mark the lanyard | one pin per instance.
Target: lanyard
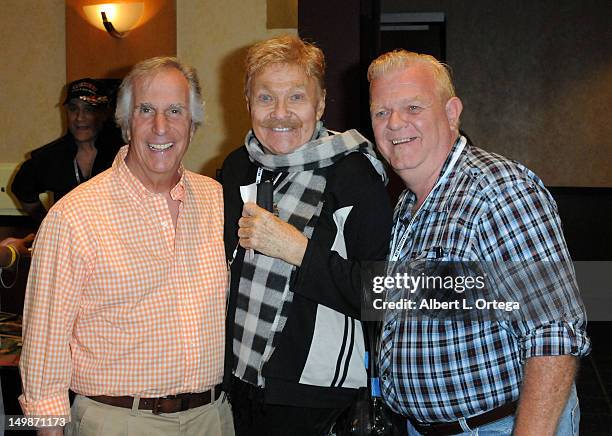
(260, 173)
(76, 171)
(257, 181)
(397, 247)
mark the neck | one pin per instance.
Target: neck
(86, 145)
(421, 186)
(422, 180)
(162, 185)
(157, 183)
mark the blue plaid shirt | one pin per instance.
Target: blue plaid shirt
(487, 208)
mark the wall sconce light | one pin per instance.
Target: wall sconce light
(116, 18)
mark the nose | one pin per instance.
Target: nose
(160, 123)
(81, 114)
(396, 121)
(280, 109)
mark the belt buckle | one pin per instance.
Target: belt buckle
(156, 409)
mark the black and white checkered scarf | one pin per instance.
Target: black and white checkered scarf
(264, 296)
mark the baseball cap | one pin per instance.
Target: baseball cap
(91, 91)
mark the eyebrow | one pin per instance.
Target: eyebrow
(146, 105)
(264, 88)
(405, 101)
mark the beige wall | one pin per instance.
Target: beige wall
(213, 37)
(33, 55)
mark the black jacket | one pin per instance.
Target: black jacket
(51, 167)
(318, 361)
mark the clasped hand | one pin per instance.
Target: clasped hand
(260, 230)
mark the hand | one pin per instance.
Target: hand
(266, 233)
(21, 245)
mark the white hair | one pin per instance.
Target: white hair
(123, 113)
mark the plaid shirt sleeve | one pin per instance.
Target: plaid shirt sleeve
(523, 227)
(56, 280)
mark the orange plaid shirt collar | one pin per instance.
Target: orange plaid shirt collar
(135, 186)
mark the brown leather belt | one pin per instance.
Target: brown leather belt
(451, 428)
(168, 404)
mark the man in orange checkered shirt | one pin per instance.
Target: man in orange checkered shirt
(125, 302)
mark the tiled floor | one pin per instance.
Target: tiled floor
(594, 383)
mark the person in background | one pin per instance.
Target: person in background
(88, 148)
(464, 204)
(295, 347)
(125, 302)
(12, 248)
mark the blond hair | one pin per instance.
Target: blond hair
(400, 58)
(285, 49)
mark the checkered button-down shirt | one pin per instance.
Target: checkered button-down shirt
(486, 209)
(119, 302)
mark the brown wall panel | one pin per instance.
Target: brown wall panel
(535, 78)
(340, 41)
(91, 52)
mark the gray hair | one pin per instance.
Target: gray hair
(400, 58)
(125, 98)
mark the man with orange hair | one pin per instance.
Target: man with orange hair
(295, 348)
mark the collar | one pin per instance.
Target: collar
(459, 148)
(436, 199)
(136, 187)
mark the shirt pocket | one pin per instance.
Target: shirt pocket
(442, 251)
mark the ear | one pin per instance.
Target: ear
(321, 105)
(248, 105)
(453, 112)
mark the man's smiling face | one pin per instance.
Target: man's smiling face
(285, 105)
(411, 119)
(160, 127)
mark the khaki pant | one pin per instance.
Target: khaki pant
(90, 418)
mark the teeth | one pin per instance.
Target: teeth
(160, 147)
(281, 129)
(403, 140)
